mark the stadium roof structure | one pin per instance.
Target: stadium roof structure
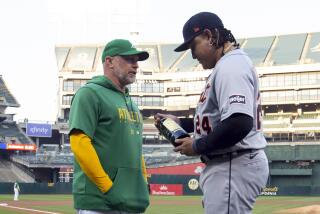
(14, 133)
(6, 97)
(277, 50)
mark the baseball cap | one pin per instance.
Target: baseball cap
(195, 26)
(122, 47)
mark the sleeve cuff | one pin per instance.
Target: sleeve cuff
(194, 147)
(200, 145)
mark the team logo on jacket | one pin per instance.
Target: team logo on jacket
(237, 99)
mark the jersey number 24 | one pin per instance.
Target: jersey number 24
(202, 123)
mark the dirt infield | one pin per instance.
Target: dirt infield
(289, 202)
(314, 209)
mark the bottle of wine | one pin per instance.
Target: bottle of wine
(171, 130)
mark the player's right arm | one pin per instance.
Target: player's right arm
(88, 160)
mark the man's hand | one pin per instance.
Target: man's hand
(186, 146)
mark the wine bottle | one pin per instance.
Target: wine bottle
(171, 130)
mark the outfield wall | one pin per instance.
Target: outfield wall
(190, 186)
(37, 188)
(168, 185)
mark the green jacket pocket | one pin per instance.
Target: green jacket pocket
(129, 191)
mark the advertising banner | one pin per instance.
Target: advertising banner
(166, 189)
(39, 130)
(25, 147)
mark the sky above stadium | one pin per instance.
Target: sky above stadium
(31, 29)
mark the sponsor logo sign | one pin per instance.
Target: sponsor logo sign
(25, 147)
(39, 130)
(166, 189)
(193, 184)
(269, 191)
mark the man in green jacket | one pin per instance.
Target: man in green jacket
(106, 138)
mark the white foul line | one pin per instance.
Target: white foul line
(20, 208)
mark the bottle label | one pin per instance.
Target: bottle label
(171, 125)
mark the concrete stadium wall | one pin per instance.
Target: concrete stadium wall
(293, 152)
(294, 169)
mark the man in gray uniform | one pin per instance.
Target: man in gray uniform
(227, 121)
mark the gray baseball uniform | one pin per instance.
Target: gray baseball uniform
(234, 176)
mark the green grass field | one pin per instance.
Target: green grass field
(159, 204)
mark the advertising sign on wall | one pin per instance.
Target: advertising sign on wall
(39, 130)
(25, 147)
(269, 191)
(166, 189)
